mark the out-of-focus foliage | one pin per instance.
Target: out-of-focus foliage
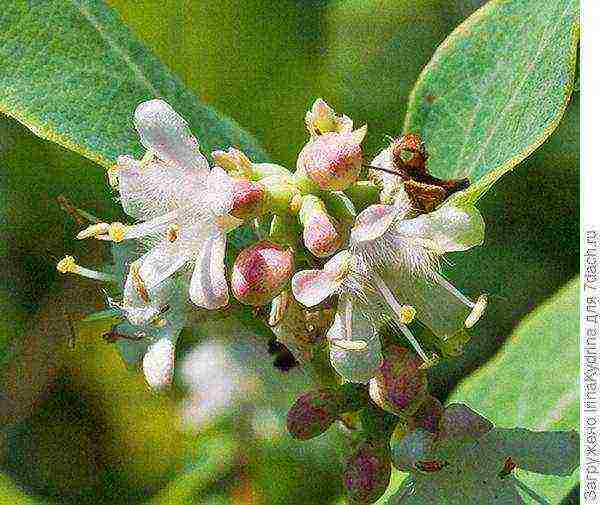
(79, 427)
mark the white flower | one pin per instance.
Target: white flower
(183, 208)
(391, 272)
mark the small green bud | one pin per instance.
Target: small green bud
(407, 447)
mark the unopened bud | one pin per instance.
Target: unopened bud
(248, 198)
(159, 362)
(260, 273)
(367, 474)
(321, 235)
(408, 447)
(400, 384)
(428, 416)
(333, 161)
(321, 118)
(313, 413)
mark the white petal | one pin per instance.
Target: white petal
(219, 187)
(354, 365)
(311, 287)
(165, 132)
(208, 287)
(162, 261)
(450, 228)
(159, 362)
(373, 222)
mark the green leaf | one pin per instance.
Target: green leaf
(496, 89)
(73, 74)
(533, 382)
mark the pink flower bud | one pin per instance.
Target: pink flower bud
(428, 416)
(260, 273)
(321, 237)
(313, 413)
(333, 160)
(248, 198)
(400, 384)
(367, 474)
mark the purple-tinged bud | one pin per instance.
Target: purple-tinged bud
(260, 272)
(313, 413)
(458, 421)
(248, 199)
(400, 384)
(321, 236)
(333, 160)
(428, 416)
(407, 447)
(367, 474)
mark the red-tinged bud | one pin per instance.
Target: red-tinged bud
(367, 474)
(458, 421)
(313, 413)
(248, 199)
(333, 160)
(428, 416)
(400, 384)
(260, 272)
(321, 237)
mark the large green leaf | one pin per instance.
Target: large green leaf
(73, 74)
(533, 382)
(496, 89)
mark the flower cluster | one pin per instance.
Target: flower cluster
(351, 263)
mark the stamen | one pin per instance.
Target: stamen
(95, 230)
(350, 345)
(138, 283)
(116, 232)
(160, 322)
(68, 265)
(441, 280)
(477, 311)
(407, 314)
(401, 312)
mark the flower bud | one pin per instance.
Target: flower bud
(260, 272)
(159, 362)
(408, 447)
(321, 118)
(367, 474)
(234, 161)
(428, 416)
(333, 160)
(313, 413)
(400, 384)
(248, 198)
(321, 235)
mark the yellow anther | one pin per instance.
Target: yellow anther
(116, 232)
(67, 265)
(94, 230)
(113, 176)
(407, 314)
(173, 233)
(477, 312)
(434, 360)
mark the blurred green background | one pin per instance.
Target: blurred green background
(77, 427)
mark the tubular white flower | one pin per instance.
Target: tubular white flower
(402, 255)
(183, 208)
